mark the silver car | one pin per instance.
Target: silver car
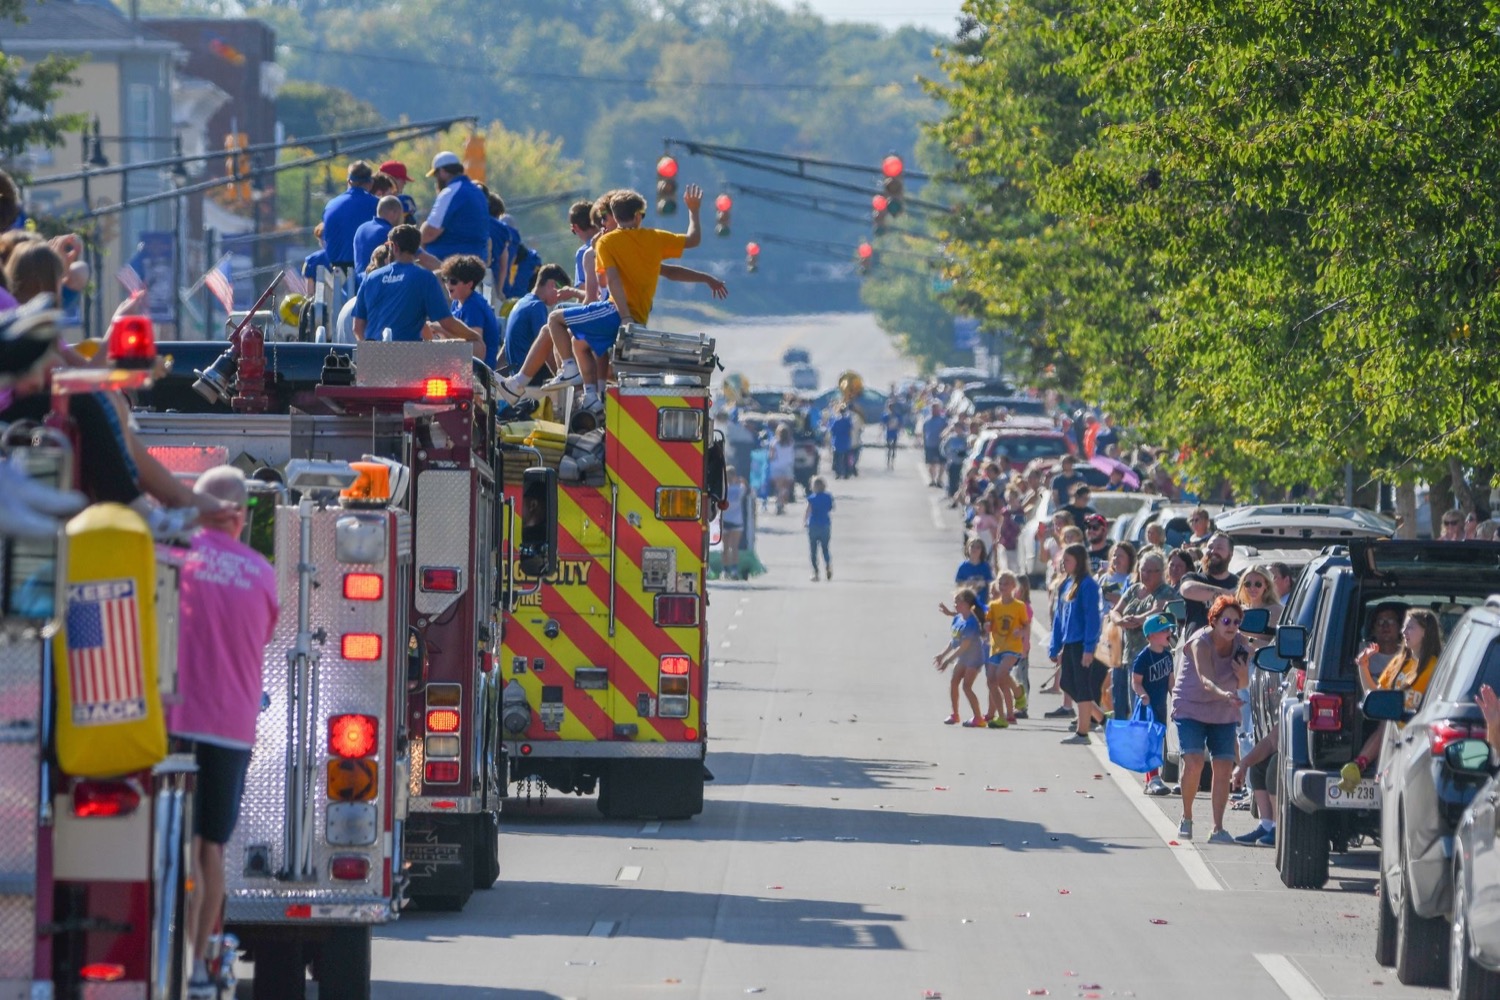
(1474, 942)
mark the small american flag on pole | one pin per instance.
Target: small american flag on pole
(106, 673)
(128, 277)
(217, 282)
(293, 281)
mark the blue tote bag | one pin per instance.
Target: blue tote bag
(1136, 744)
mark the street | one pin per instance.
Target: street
(852, 846)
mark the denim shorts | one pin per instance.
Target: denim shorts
(1218, 737)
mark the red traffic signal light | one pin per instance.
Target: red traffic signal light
(865, 251)
(752, 249)
(892, 166)
(723, 203)
(666, 167)
(880, 203)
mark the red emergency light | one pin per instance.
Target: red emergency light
(360, 646)
(102, 972)
(132, 342)
(363, 586)
(105, 799)
(441, 579)
(442, 720)
(349, 868)
(673, 665)
(352, 736)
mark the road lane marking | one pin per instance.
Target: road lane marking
(1290, 978)
(653, 827)
(603, 928)
(724, 644)
(630, 873)
(1185, 852)
(937, 514)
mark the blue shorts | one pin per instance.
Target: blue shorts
(596, 324)
(1217, 737)
(1000, 665)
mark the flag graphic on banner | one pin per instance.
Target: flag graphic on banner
(132, 281)
(106, 673)
(217, 281)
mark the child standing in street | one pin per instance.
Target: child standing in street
(819, 526)
(1151, 678)
(1006, 619)
(965, 653)
(1022, 672)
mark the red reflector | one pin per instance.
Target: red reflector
(361, 646)
(102, 972)
(442, 772)
(690, 733)
(676, 666)
(676, 609)
(299, 910)
(436, 388)
(349, 868)
(525, 749)
(103, 799)
(1325, 713)
(352, 736)
(442, 720)
(441, 579)
(363, 587)
(445, 804)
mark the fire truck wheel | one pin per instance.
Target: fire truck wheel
(342, 967)
(486, 851)
(280, 972)
(450, 902)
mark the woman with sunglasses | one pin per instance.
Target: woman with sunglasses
(1206, 709)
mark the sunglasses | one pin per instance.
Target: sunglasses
(1255, 584)
(1226, 620)
(455, 281)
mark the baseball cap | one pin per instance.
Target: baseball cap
(1155, 624)
(396, 169)
(1096, 521)
(444, 159)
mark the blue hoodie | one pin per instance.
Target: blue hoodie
(1076, 620)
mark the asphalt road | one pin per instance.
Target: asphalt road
(853, 846)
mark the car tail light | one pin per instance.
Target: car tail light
(680, 610)
(440, 579)
(349, 867)
(1325, 713)
(441, 772)
(352, 736)
(363, 586)
(678, 503)
(105, 799)
(442, 720)
(361, 646)
(437, 388)
(132, 342)
(102, 972)
(1446, 731)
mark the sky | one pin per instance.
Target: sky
(937, 15)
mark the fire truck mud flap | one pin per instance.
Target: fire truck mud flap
(652, 789)
(281, 954)
(440, 855)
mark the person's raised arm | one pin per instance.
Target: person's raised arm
(692, 197)
(687, 275)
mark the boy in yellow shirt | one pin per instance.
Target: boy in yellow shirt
(1006, 620)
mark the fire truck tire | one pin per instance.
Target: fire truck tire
(486, 850)
(652, 789)
(343, 965)
(449, 902)
(280, 971)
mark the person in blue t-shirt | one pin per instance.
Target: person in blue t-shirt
(932, 440)
(819, 525)
(975, 571)
(347, 212)
(966, 653)
(460, 220)
(1151, 678)
(840, 440)
(892, 422)
(403, 297)
(528, 318)
(581, 222)
(375, 232)
(463, 275)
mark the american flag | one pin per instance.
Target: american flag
(217, 280)
(105, 670)
(293, 281)
(128, 277)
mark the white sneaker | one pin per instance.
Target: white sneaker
(508, 393)
(570, 375)
(592, 403)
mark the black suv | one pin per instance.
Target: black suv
(1325, 626)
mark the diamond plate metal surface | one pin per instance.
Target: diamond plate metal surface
(114, 991)
(443, 532)
(380, 364)
(343, 686)
(20, 707)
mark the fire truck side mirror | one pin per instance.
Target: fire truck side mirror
(538, 549)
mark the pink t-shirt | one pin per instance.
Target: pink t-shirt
(229, 609)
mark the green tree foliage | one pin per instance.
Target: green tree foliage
(307, 109)
(1265, 229)
(26, 95)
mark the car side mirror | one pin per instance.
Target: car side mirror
(1291, 642)
(1267, 660)
(1256, 621)
(538, 550)
(1386, 706)
(1469, 757)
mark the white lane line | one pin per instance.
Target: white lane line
(937, 515)
(724, 644)
(630, 873)
(1290, 978)
(652, 827)
(732, 628)
(603, 928)
(1185, 852)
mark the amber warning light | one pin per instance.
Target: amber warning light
(438, 388)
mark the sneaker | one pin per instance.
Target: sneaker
(974, 723)
(594, 404)
(202, 989)
(1157, 787)
(570, 375)
(1021, 714)
(509, 393)
(1253, 837)
(1185, 829)
(828, 573)
(1349, 776)
(1076, 740)
(1267, 838)
(1058, 713)
(998, 723)
(1020, 702)
(1220, 836)
(1011, 719)
(951, 720)
(815, 576)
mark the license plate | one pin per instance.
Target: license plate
(1366, 795)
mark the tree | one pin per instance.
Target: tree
(26, 96)
(307, 109)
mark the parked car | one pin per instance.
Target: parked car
(795, 356)
(1474, 936)
(1423, 797)
(1321, 726)
(1308, 526)
(1018, 447)
(805, 377)
(1173, 516)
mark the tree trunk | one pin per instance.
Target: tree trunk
(1440, 501)
(1406, 510)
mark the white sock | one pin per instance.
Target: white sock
(515, 382)
(200, 969)
(569, 368)
(1268, 824)
(600, 386)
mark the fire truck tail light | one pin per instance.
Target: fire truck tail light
(353, 780)
(679, 503)
(680, 610)
(102, 972)
(441, 579)
(672, 706)
(363, 586)
(352, 736)
(440, 746)
(442, 720)
(1325, 713)
(299, 911)
(361, 646)
(442, 772)
(349, 867)
(675, 665)
(437, 388)
(446, 695)
(674, 685)
(676, 423)
(105, 799)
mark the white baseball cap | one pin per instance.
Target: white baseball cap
(444, 159)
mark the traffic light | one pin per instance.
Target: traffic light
(894, 191)
(722, 204)
(752, 257)
(666, 186)
(879, 216)
(865, 255)
(237, 164)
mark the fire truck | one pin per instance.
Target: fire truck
(606, 657)
(377, 774)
